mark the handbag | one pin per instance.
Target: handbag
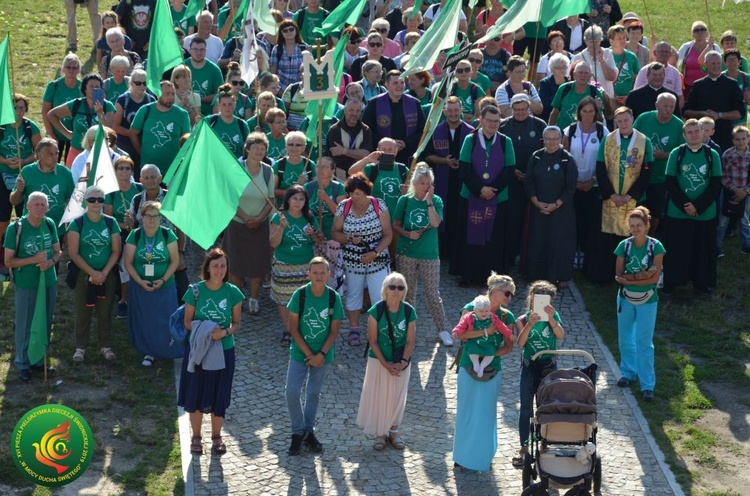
(637, 297)
(489, 373)
(177, 328)
(398, 352)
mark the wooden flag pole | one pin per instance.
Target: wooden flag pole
(648, 19)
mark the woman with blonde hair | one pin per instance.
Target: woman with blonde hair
(186, 98)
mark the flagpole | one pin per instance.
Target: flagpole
(437, 101)
(648, 19)
(708, 17)
(12, 94)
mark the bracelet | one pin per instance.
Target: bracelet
(430, 205)
(323, 353)
(227, 332)
(408, 362)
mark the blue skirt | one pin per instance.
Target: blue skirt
(475, 437)
(148, 320)
(206, 391)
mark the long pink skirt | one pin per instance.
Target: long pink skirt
(383, 399)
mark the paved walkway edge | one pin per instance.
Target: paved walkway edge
(629, 398)
(183, 427)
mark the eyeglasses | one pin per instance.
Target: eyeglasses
(95, 199)
(463, 70)
(289, 29)
(138, 83)
(238, 83)
(369, 43)
(124, 168)
(295, 144)
(151, 216)
(496, 38)
(699, 30)
(21, 108)
(394, 287)
(475, 61)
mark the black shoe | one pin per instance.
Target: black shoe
(719, 253)
(648, 395)
(24, 375)
(731, 233)
(294, 449)
(312, 443)
(40, 368)
(623, 382)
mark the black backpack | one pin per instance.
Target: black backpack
(89, 116)
(282, 168)
(682, 151)
(331, 303)
(240, 124)
(26, 130)
(649, 249)
(374, 171)
(568, 88)
(599, 130)
(164, 233)
(381, 311)
(79, 222)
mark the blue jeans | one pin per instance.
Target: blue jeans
(635, 326)
(744, 227)
(531, 376)
(303, 417)
(25, 301)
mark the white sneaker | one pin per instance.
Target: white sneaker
(660, 284)
(445, 337)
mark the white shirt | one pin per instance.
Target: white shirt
(584, 148)
(597, 72)
(214, 47)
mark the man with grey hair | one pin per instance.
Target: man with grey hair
(349, 139)
(214, 45)
(643, 99)
(31, 248)
(716, 96)
(672, 77)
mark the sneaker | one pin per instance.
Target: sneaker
(719, 253)
(266, 283)
(253, 307)
(445, 337)
(24, 375)
(296, 445)
(312, 443)
(731, 233)
(122, 310)
(660, 284)
(648, 395)
(147, 361)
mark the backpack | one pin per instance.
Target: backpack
(331, 303)
(77, 107)
(26, 130)
(402, 168)
(282, 167)
(164, 233)
(335, 190)
(599, 130)
(649, 249)
(568, 88)
(380, 307)
(348, 206)
(526, 86)
(71, 278)
(113, 195)
(682, 150)
(177, 328)
(137, 199)
(215, 118)
(18, 241)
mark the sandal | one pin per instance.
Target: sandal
(79, 355)
(396, 441)
(196, 446)
(354, 338)
(108, 354)
(286, 340)
(218, 446)
(518, 460)
(379, 443)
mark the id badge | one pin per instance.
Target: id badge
(148, 270)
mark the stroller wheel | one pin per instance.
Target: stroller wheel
(578, 491)
(528, 473)
(597, 475)
(535, 490)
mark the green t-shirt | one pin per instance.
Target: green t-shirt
(293, 171)
(315, 323)
(628, 65)
(467, 150)
(276, 147)
(56, 93)
(120, 200)
(160, 134)
(58, 185)
(84, 118)
(279, 103)
(400, 328)
(387, 184)
(468, 97)
(242, 104)
(483, 82)
(540, 338)
(648, 156)
(426, 100)
(310, 22)
(567, 106)
(693, 176)
(115, 90)
(414, 216)
(637, 261)
(32, 241)
(252, 123)
(232, 134)
(664, 137)
(507, 317)
(95, 243)
(180, 21)
(333, 190)
(206, 81)
(215, 306)
(296, 247)
(9, 143)
(157, 248)
(237, 23)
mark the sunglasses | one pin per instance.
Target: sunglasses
(288, 30)
(497, 38)
(74, 67)
(508, 294)
(699, 30)
(382, 30)
(295, 144)
(354, 42)
(238, 83)
(374, 44)
(463, 70)
(475, 61)
(94, 199)
(124, 168)
(139, 83)
(394, 287)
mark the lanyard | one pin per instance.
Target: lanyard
(588, 137)
(149, 246)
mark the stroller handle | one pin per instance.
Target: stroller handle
(581, 353)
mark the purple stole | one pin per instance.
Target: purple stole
(481, 215)
(383, 116)
(441, 141)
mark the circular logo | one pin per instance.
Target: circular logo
(52, 445)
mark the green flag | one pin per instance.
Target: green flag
(194, 8)
(205, 185)
(38, 338)
(545, 12)
(164, 50)
(7, 110)
(348, 12)
(417, 8)
(329, 105)
(439, 95)
(262, 15)
(441, 34)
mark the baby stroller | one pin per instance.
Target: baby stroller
(562, 451)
